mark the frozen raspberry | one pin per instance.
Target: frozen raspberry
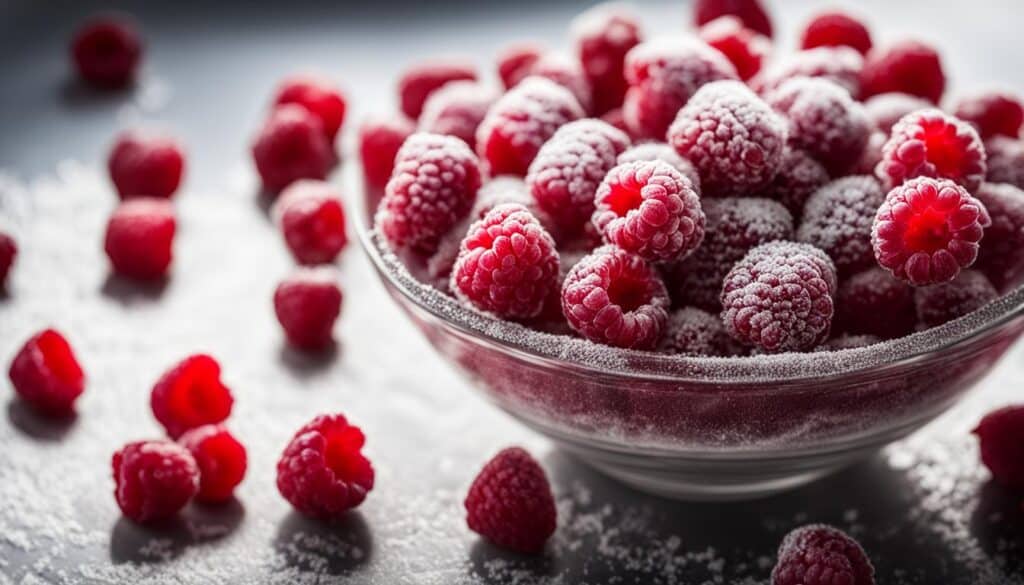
(836, 29)
(433, 186)
(307, 304)
(1005, 160)
(616, 119)
(139, 237)
(221, 460)
(848, 342)
(46, 374)
(664, 152)
(515, 61)
(323, 472)
(602, 37)
(107, 50)
(8, 254)
(567, 73)
(153, 480)
(190, 395)
(663, 75)
(750, 12)
(510, 502)
(874, 303)
(733, 138)
(872, 154)
(694, 332)
(291, 145)
(317, 95)
(993, 113)
(927, 230)
(312, 220)
(614, 297)
(379, 141)
(507, 264)
(885, 109)
(940, 303)
(930, 143)
(423, 79)
(1000, 255)
(1001, 441)
(798, 177)
(145, 165)
(746, 49)
(779, 297)
(838, 219)
(909, 67)
(650, 209)
(817, 554)
(457, 110)
(841, 65)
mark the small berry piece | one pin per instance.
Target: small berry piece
(930, 143)
(145, 165)
(8, 254)
(291, 145)
(874, 303)
(515, 61)
(848, 342)
(139, 237)
(885, 109)
(153, 480)
(1001, 441)
(379, 141)
(940, 303)
(1000, 255)
(694, 332)
(602, 37)
(817, 554)
(423, 79)
(307, 304)
(651, 151)
(323, 472)
(510, 502)
(566, 72)
(746, 49)
(1005, 160)
(221, 460)
(312, 220)
(993, 114)
(840, 65)
(838, 219)
(106, 51)
(457, 110)
(190, 395)
(750, 12)
(318, 96)
(909, 67)
(835, 29)
(46, 374)
(798, 177)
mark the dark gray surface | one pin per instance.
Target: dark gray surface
(924, 508)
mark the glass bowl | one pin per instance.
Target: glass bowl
(704, 428)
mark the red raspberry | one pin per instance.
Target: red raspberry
(908, 67)
(307, 304)
(615, 298)
(423, 79)
(694, 332)
(567, 73)
(733, 138)
(291, 145)
(993, 113)
(836, 29)
(602, 37)
(798, 177)
(144, 165)
(817, 554)
(750, 12)
(379, 141)
(848, 342)
(8, 254)
(153, 480)
(746, 49)
(664, 152)
(940, 303)
(510, 502)
(190, 395)
(838, 219)
(507, 264)
(663, 75)
(650, 209)
(457, 110)
(46, 374)
(873, 302)
(317, 95)
(312, 220)
(927, 230)
(107, 50)
(1001, 442)
(779, 297)
(1005, 160)
(885, 109)
(323, 472)
(521, 121)
(221, 460)
(999, 256)
(930, 143)
(841, 65)
(515, 61)
(616, 119)
(139, 236)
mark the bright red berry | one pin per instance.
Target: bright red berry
(1005, 160)
(8, 254)
(221, 460)
(307, 304)
(602, 37)
(291, 145)
(189, 395)
(993, 113)
(838, 219)
(799, 176)
(885, 109)
(909, 67)
(821, 555)
(107, 50)
(872, 302)
(930, 143)
(940, 303)
(840, 65)
(379, 141)
(46, 374)
(317, 95)
(835, 28)
(153, 480)
(750, 12)
(423, 79)
(146, 165)
(746, 49)
(1000, 255)
(457, 110)
(139, 238)
(1001, 441)
(694, 332)
(515, 62)
(312, 219)
(651, 151)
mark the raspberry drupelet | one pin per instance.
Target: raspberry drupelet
(694, 332)
(45, 373)
(145, 165)
(940, 303)
(1000, 255)
(221, 459)
(106, 51)
(153, 480)
(139, 238)
(993, 113)
(817, 554)
(750, 12)
(312, 220)
(931, 143)
(317, 95)
(664, 152)
(189, 395)
(457, 110)
(885, 109)
(909, 66)
(746, 49)
(1001, 442)
(307, 304)
(841, 65)
(1005, 160)
(927, 230)
(799, 176)
(379, 141)
(8, 254)
(515, 61)
(568, 73)
(872, 302)
(834, 29)
(838, 219)
(422, 79)
(602, 36)
(291, 145)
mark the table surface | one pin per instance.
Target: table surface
(924, 508)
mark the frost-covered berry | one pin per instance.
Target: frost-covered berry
(836, 29)
(1001, 442)
(145, 165)
(930, 143)
(746, 49)
(457, 110)
(799, 176)
(838, 219)
(566, 72)
(993, 113)
(221, 459)
(750, 12)
(694, 332)
(106, 51)
(909, 66)
(515, 61)
(312, 220)
(885, 109)
(848, 342)
(1000, 256)
(8, 254)
(940, 303)
(189, 395)
(291, 145)
(872, 154)
(45, 373)
(841, 65)
(307, 304)
(422, 79)
(664, 152)
(602, 36)
(1005, 160)
(821, 555)
(872, 302)
(317, 95)
(153, 480)
(379, 141)
(139, 238)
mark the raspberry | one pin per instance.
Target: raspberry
(1005, 160)
(433, 186)
(841, 65)
(307, 304)
(940, 303)
(930, 143)
(318, 96)
(746, 49)
(221, 460)
(663, 75)
(927, 230)
(312, 220)
(291, 146)
(733, 138)
(874, 303)
(836, 29)
(999, 256)
(190, 395)
(838, 219)
(817, 554)
(8, 254)
(423, 79)
(153, 480)
(872, 154)
(993, 113)
(798, 177)
(457, 110)
(650, 209)
(507, 264)
(139, 236)
(615, 298)
(664, 152)
(750, 12)
(510, 502)
(616, 119)
(144, 165)
(1001, 442)
(909, 67)
(694, 332)
(323, 472)
(515, 61)
(885, 109)
(848, 342)
(602, 37)
(379, 141)
(46, 374)
(567, 73)
(521, 121)
(779, 297)
(107, 50)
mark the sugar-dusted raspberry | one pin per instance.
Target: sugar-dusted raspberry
(1000, 256)
(1001, 442)
(779, 297)
(379, 141)
(515, 61)
(422, 79)
(750, 12)
(323, 472)
(817, 554)
(799, 176)
(312, 220)
(841, 65)
(1005, 160)
(614, 297)
(510, 502)
(872, 302)
(694, 332)
(885, 109)
(145, 165)
(291, 145)
(993, 113)
(566, 72)
(8, 254)
(457, 110)
(307, 304)
(746, 49)
(507, 264)
(46, 374)
(153, 480)
(663, 75)
(190, 394)
(908, 66)
(733, 138)
(836, 29)
(649, 208)
(848, 342)
(930, 143)
(602, 36)
(432, 187)
(940, 303)
(107, 50)
(139, 237)
(317, 95)
(664, 152)
(838, 219)
(927, 230)
(221, 460)
(521, 121)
